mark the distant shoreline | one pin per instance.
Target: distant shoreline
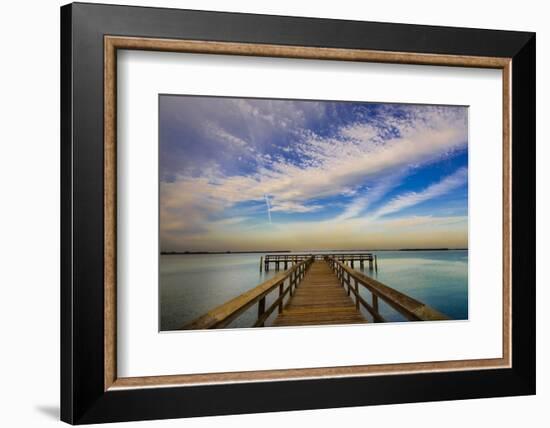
(221, 252)
(177, 253)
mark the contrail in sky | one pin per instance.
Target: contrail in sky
(268, 208)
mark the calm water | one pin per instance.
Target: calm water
(190, 285)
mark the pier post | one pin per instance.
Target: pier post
(370, 263)
(352, 263)
(280, 294)
(356, 294)
(286, 264)
(261, 309)
(292, 282)
(361, 264)
(261, 262)
(376, 263)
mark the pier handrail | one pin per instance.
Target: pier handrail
(318, 256)
(410, 308)
(285, 258)
(222, 315)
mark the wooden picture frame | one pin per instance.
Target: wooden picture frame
(91, 390)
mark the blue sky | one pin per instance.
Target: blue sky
(265, 174)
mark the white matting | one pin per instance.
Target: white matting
(143, 351)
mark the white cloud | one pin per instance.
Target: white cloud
(362, 161)
(457, 179)
(268, 207)
(359, 204)
(332, 166)
(296, 207)
(226, 136)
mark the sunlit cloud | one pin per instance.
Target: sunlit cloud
(283, 156)
(356, 234)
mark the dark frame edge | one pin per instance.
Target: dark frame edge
(524, 219)
(66, 130)
(344, 393)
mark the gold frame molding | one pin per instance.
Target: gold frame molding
(113, 43)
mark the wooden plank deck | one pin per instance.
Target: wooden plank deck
(319, 299)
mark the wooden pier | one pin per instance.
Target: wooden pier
(285, 260)
(320, 299)
(317, 290)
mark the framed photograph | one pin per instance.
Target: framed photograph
(266, 213)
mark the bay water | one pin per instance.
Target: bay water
(192, 284)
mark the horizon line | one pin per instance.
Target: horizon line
(312, 251)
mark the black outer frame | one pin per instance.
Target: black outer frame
(83, 399)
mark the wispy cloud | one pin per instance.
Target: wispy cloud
(359, 204)
(358, 233)
(409, 199)
(296, 158)
(268, 206)
(332, 165)
(223, 135)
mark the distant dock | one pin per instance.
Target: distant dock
(317, 289)
(286, 260)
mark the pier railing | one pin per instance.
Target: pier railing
(288, 259)
(410, 308)
(285, 282)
